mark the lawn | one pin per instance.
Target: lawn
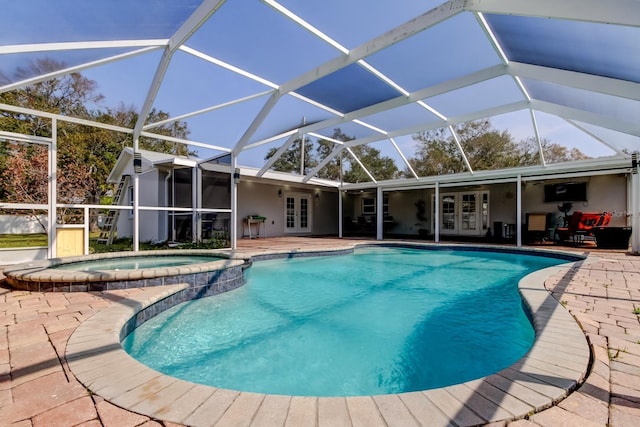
(40, 239)
(22, 240)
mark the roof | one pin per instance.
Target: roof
(149, 159)
(250, 75)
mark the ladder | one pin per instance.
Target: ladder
(109, 227)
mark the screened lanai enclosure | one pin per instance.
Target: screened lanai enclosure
(165, 120)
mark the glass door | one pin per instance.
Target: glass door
(297, 213)
(448, 223)
(469, 213)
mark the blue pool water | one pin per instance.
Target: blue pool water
(383, 320)
(136, 262)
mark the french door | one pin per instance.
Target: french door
(464, 213)
(297, 213)
(469, 213)
(448, 214)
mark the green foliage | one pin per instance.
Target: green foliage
(205, 244)
(333, 169)
(485, 148)
(126, 244)
(86, 154)
(380, 167)
(290, 159)
(23, 240)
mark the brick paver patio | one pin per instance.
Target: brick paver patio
(37, 388)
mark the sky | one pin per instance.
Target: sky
(250, 35)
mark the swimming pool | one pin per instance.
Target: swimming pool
(383, 320)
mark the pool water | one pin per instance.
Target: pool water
(380, 321)
(136, 262)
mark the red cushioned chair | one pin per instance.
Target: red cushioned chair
(580, 226)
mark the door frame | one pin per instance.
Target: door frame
(476, 213)
(453, 230)
(298, 197)
(482, 213)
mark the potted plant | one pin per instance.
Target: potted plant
(565, 207)
(421, 217)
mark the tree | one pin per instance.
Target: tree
(127, 116)
(25, 175)
(435, 155)
(86, 154)
(485, 148)
(333, 169)
(72, 95)
(553, 153)
(381, 167)
(290, 160)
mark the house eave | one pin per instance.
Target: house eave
(589, 167)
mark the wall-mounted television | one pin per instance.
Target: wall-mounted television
(567, 192)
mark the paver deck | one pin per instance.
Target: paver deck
(39, 384)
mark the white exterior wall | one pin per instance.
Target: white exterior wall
(151, 189)
(255, 198)
(325, 213)
(604, 193)
(150, 220)
(403, 210)
(502, 203)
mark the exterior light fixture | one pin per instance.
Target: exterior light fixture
(137, 162)
(280, 193)
(236, 175)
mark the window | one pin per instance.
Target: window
(131, 202)
(485, 211)
(368, 206)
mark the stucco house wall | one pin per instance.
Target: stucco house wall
(258, 198)
(604, 193)
(151, 194)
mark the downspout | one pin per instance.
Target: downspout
(52, 192)
(635, 199)
(519, 211)
(379, 213)
(235, 176)
(195, 224)
(436, 232)
(137, 169)
(340, 213)
(166, 202)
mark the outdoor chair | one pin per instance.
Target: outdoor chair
(536, 227)
(581, 225)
